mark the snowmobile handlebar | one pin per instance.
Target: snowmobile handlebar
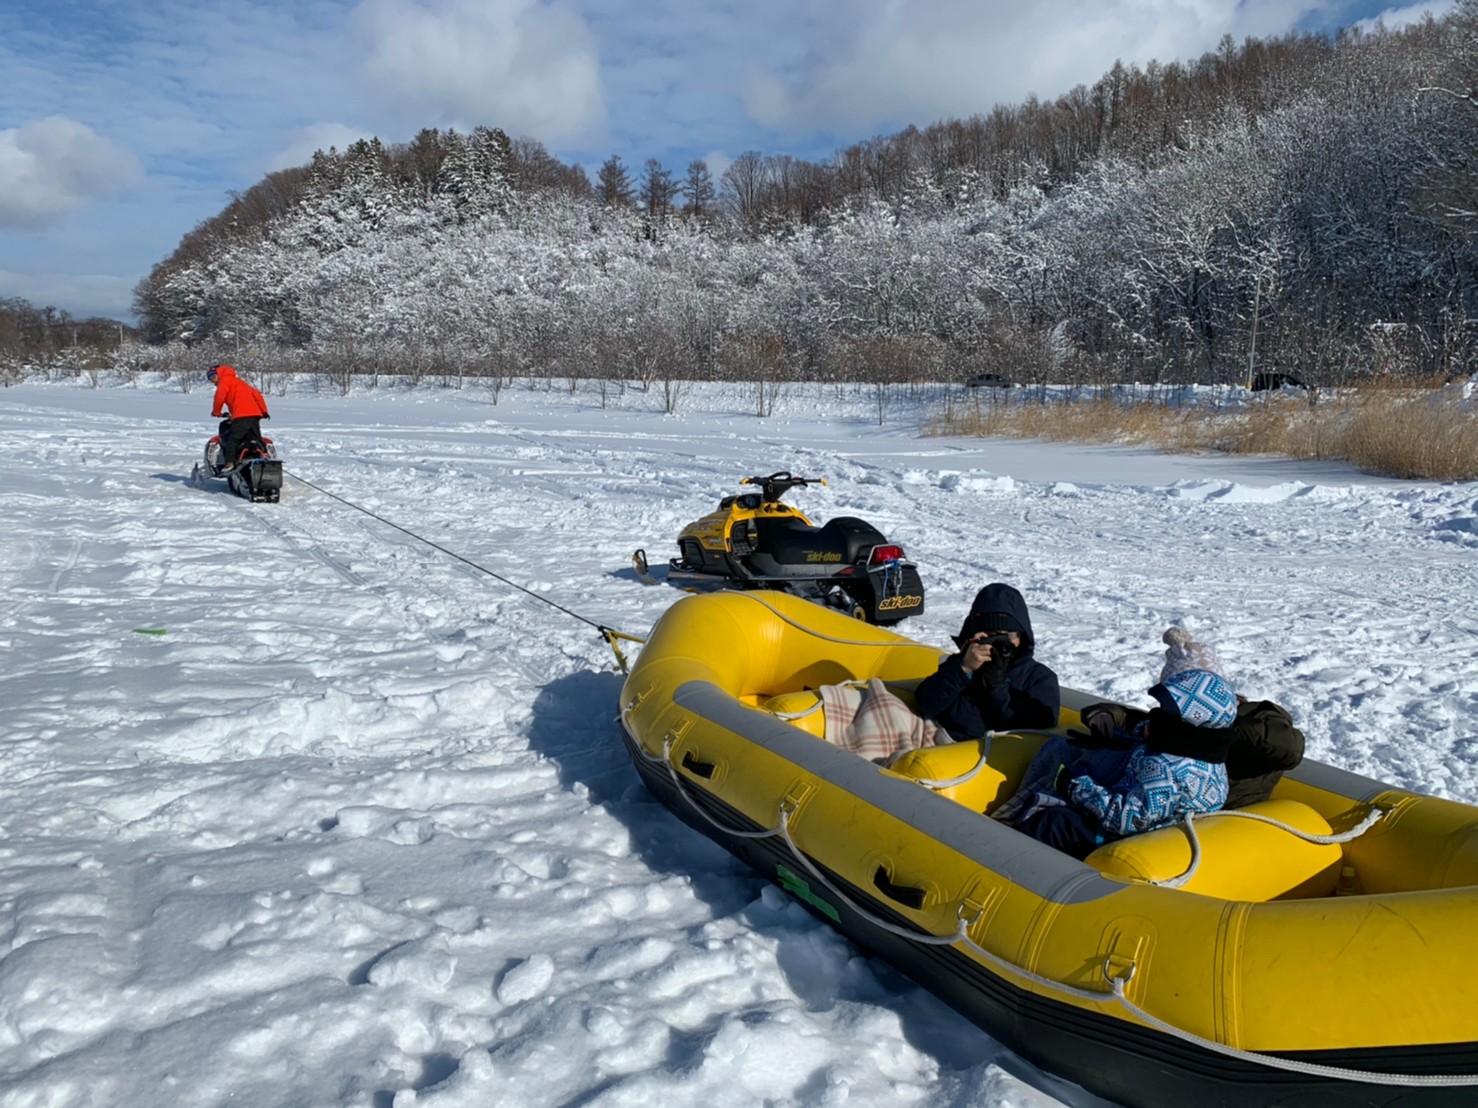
(778, 484)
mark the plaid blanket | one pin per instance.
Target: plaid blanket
(872, 722)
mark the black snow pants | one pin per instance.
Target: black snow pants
(236, 434)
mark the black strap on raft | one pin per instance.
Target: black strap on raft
(610, 634)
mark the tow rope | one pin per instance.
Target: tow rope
(610, 634)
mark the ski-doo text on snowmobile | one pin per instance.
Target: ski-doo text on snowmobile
(755, 540)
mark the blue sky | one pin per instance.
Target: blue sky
(123, 124)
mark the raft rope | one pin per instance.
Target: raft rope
(791, 717)
(980, 763)
(936, 783)
(787, 806)
(1187, 822)
(1117, 985)
(610, 634)
(1372, 817)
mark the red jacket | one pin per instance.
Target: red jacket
(235, 395)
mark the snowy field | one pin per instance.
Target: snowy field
(355, 826)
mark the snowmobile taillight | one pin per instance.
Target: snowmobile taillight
(880, 554)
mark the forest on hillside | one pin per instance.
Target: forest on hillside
(1306, 204)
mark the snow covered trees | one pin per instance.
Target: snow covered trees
(1299, 203)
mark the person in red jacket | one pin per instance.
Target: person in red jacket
(245, 409)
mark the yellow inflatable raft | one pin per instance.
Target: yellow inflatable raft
(1319, 950)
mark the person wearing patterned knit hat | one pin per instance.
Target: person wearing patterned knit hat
(1264, 741)
(1125, 776)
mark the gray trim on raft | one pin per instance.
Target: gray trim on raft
(1077, 701)
(1022, 861)
(1341, 782)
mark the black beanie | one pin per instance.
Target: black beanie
(996, 621)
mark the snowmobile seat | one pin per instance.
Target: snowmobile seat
(841, 541)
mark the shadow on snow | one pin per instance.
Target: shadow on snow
(574, 725)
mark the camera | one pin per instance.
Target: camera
(1000, 645)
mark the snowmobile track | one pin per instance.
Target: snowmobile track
(312, 547)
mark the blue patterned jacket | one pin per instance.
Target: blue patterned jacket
(1154, 790)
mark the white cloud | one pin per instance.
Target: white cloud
(1396, 18)
(890, 62)
(528, 67)
(82, 295)
(52, 165)
(321, 136)
(717, 161)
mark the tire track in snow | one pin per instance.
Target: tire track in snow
(262, 515)
(14, 604)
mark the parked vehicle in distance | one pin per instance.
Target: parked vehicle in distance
(1263, 382)
(988, 381)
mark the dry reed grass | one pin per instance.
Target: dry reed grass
(1398, 432)
(1416, 437)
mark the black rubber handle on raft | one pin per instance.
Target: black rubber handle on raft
(700, 769)
(910, 896)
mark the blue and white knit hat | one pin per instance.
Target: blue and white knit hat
(1199, 697)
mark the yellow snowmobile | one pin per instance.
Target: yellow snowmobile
(756, 541)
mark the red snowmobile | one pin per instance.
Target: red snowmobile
(255, 475)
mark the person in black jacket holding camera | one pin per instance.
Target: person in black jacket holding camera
(994, 683)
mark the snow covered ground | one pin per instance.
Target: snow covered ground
(297, 810)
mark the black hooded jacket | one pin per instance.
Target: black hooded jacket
(1028, 699)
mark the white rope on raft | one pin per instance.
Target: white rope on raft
(1188, 823)
(1117, 986)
